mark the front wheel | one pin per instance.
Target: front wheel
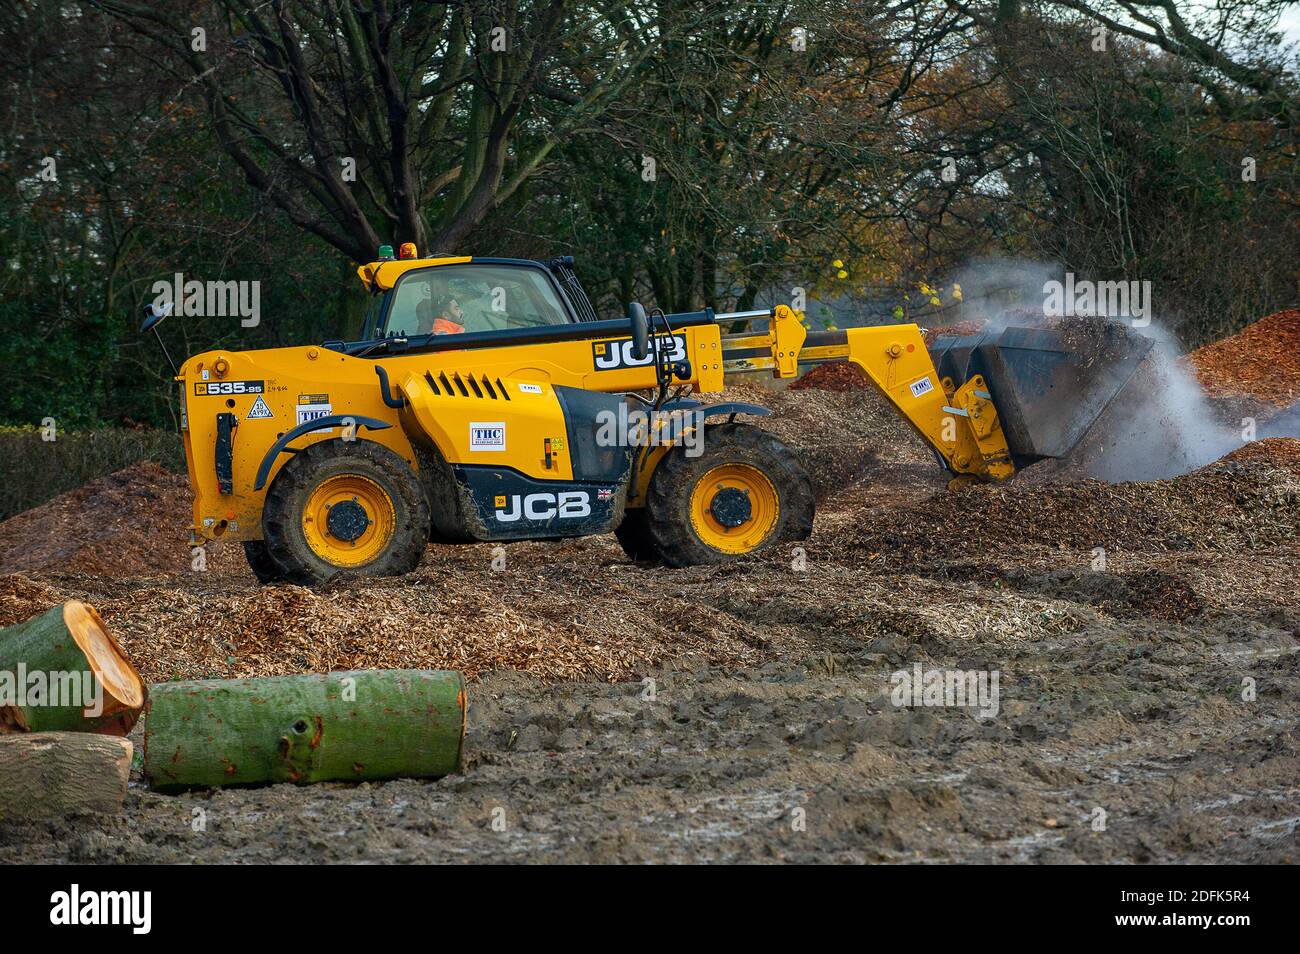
(345, 508)
(744, 493)
(633, 535)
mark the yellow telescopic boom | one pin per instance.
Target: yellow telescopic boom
(959, 420)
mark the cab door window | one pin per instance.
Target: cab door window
(455, 299)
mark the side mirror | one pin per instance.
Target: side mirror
(640, 330)
(153, 315)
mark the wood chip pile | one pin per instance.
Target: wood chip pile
(130, 523)
(888, 537)
(958, 329)
(832, 376)
(1262, 361)
(1250, 500)
(455, 612)
(1280, 452)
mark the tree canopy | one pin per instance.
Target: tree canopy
(686, 153)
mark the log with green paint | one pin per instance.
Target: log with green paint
(341, 726)
(62, 671)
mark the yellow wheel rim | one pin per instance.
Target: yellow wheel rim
(348, 520)
(734, 507)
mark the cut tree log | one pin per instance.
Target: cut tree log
(62, 671)
(51, 774)
(342, 726)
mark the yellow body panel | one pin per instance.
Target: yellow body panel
(448, 418)
(296, 383)
(961, 423)
(895, 358)
(385, 274)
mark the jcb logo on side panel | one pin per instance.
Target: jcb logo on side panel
(613, 355)
(568, 505)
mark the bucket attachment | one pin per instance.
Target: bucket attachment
(1049, 385)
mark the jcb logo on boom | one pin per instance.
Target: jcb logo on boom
(567, 505)
(617, 354)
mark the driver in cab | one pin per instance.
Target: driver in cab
(443, 316)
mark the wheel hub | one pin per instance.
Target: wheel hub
(734, 508)
(731, 507)
(347, 520)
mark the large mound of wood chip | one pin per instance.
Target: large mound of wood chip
(1262, 361)
(1249, 500)
(131, 523)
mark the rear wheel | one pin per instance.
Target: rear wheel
(259, 561)
(345, 508)
(744, 493)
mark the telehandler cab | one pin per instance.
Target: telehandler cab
(486, 401)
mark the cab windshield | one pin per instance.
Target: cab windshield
(455, 299)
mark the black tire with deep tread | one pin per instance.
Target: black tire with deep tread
(634, 536)
(668, 498)
(282, 512)
(259, 560)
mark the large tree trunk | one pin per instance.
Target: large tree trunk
(341, 726)
(62, 671)
(51, 774)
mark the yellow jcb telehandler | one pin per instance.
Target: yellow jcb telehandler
(485, 401)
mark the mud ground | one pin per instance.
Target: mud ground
(1126, 729)
(720, 766)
